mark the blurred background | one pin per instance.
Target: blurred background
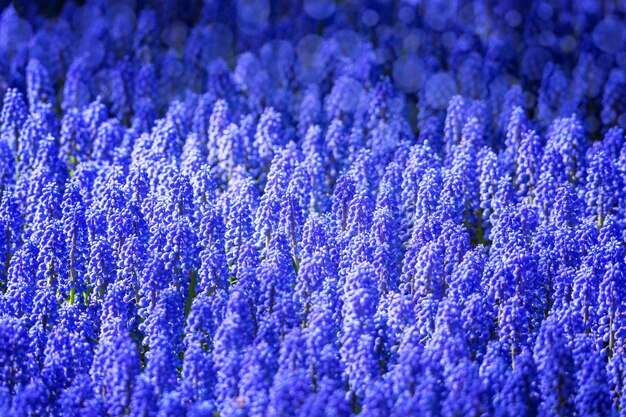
(568, 56)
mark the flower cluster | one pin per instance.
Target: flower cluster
(318, 208)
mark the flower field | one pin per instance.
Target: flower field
(264, 208)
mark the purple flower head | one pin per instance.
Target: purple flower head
(554, 360)
(601, 186)
(39, 87)
(357, 333)
(162, 330)
(76, 94)
(13, 116)
(235, 332)
(269, 137)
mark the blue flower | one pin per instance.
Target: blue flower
(555, 370)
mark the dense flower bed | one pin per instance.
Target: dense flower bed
(317, 208)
